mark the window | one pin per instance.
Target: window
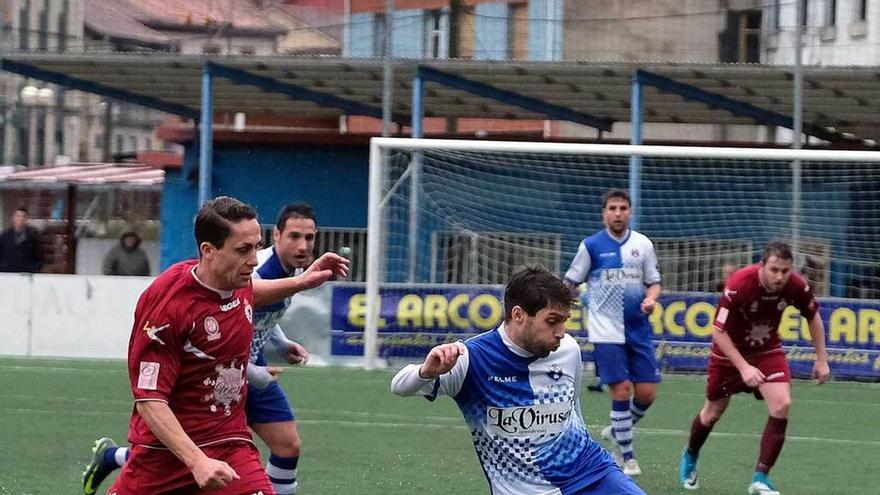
(830, 12)
(697, 265)
(740, 42)
(247, 50)
(774, 15)
(863, 10)
(518, 31)
(211, 49)
(379, 35)
(436, 34)
(44, 30)
(804, 13)
(333, 239)
(133, 143)
(24, 26)
(463, 257)
(120, 143)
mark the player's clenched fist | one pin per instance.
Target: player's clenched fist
(213, 474)
(441, 359)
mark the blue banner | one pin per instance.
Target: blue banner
(415, 318)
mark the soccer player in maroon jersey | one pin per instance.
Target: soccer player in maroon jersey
(187, 359)
(747, 357)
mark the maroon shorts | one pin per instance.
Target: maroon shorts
(159, 471)
(724, 379)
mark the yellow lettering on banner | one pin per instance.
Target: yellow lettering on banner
(656, 319)
(574, 324)
(842, 323)
(485, 322)
(409, 311)
(869, 325)
(357, 311)
(669, 318)
(435, 311)
(454, 311)
(793, 326)
(877, 364)
(690, 319)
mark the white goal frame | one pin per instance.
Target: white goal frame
(380, 146)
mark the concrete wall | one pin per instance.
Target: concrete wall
(91, 317)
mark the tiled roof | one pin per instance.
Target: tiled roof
(84, 174)
(118, 19)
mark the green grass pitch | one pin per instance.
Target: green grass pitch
(358, 438)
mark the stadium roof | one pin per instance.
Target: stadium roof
(839, 102)
(85, 176)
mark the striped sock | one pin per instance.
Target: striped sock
(282, 474)
(622, 427)
(638, 410)
(115, 457)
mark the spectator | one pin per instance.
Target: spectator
(20, 246)
(127, 257)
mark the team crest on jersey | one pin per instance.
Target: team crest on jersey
(555, 372)
(758, 334)
(212, 328)
(635, 253)
(227, 387)
(248, 312)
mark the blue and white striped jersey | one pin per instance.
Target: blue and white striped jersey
(617, 271)
(523, 413)
(269, 267)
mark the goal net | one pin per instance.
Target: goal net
(447, 216)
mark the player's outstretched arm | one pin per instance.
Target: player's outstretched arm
(441, 359)
(211, 474)
(329, 265)
(821, 370)
(418, 379)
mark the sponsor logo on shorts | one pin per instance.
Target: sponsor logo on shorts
(775, 375)
(212, 328)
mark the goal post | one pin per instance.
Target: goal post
(468, 212)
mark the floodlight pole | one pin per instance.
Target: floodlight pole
(206, 136)
(797, 129)
(635, 161)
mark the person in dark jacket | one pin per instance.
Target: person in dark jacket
(20, 249)
(127, 257)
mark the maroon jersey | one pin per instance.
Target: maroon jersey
(189, 347)
(750, 314)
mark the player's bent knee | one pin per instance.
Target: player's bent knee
(780, 408)
(288, 446)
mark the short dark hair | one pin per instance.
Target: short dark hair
(615, 193)
(533, 288)
(295, 210)
(214, 219)
(22, 209)
(779, 249)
